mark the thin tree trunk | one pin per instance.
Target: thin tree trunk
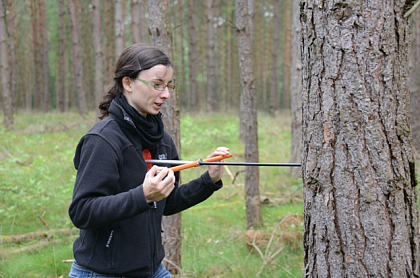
(135, 21)
(274, 76)
(193, 55)
(36, 56)
(296, 92)
(77, 64)
(360, 196)
(13, 77)
(248, 97)
(97, 47)
(211, 71)
(183, 72)
(161, 37)
(287, 55)
(88, 58)
(119, 28)
(228, 66)
(5, 70)
(45, 66)
(62, 92)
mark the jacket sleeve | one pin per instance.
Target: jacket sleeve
(94, 202)
(191, 193)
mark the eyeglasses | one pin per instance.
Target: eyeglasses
(158, 86)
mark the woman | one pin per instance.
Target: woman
(119, 200)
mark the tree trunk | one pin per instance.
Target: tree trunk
(119, 28)
(296, 92)
(274, 76)
(287, 55)
(13, 77)
(5, 70)
(77, 65)
(228, 66)
(161, 37)
(182, 49)
(62, 92)
(97, 47)
(36, 56)
(135, 20)
(360, 199)
(248, 97)
(415, 84)
(45, 66)
(193, 55)
(211, 71)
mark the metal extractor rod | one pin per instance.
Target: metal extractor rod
(181, 162)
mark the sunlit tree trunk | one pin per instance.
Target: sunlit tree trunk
(5, 70)
(360, 199)
(97, 47)
(274, 73)
(161, 37)
(62, 92)
(248, 97)
(296, 92)
(77, 65)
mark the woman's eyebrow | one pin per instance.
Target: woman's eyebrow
(161, 80)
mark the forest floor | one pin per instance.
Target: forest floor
(37, 178)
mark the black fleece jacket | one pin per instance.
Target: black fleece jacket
(120, 233)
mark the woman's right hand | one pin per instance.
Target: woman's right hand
(158, 187)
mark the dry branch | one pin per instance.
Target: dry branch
(37, 235)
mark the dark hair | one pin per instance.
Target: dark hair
(133, 59)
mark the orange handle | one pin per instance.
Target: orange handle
(196, 163)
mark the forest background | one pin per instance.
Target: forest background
(50, 83)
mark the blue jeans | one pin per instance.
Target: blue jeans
(78, 271)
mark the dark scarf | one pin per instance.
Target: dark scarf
(150, 128)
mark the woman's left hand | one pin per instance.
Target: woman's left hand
(215, 171)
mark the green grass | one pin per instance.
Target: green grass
(37, 176)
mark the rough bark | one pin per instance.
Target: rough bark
(45, 66)
(274, 73)
(97, 48)
(228, 66)
(119, 28)
(5, 71)
(415, 83)
(360, 200)
(296, 92)
(13, 76)
(77, 65)
(211, 70)
(193, 55)
(248, 97)
(161, 37)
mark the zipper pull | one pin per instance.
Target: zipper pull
(154, 204)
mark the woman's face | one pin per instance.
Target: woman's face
(144, 97)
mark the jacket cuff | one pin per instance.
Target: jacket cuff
(141, 199)
(208, 182)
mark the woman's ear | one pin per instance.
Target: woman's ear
(126, 82)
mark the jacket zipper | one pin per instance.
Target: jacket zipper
(108, 243)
